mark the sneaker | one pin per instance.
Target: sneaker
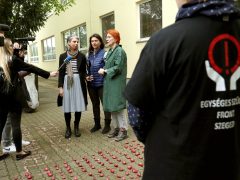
(25, 143)
(9, 149)
(121, 136)
(114, 133)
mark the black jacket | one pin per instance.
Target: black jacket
(81, 66)
(190, 74)
(12, 95)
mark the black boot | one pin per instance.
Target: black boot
(77, 131)
(107, 127)
(68, 133)
(97, 125)
(76, 124)
(21, 156)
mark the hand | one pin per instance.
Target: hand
(54, 74)
(16, 45)
(217, 78)
(101, 71)
(61, 91)
(234, 78)
(89, 78)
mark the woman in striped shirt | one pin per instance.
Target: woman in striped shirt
(72, 85)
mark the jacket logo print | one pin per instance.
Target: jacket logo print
(223, 66)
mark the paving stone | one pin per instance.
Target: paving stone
(91, 156)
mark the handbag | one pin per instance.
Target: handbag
(59, 100)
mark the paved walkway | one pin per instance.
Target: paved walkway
(92, 156)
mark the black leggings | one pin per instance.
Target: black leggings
(67, 117)
(15, 113)
(96, 95)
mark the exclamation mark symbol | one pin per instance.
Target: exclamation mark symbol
(226, 57)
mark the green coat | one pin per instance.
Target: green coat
(115, 80)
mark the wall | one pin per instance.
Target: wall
(91, 11)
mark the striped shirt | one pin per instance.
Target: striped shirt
(74, 66)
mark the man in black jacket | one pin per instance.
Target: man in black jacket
(190, 73)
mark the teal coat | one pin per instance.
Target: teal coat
(115, 80)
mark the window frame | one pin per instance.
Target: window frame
(142, 39)
(101, 19)
(33, 58)
(53, 49)
(77, 30)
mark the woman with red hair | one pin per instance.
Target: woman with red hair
(115, 74)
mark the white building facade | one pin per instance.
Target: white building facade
(136, 20)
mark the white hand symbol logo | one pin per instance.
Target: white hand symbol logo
(234, 78)
(219, 80)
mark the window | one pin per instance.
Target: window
(150, 17)
(49, 49)
(81, 32)
(33, 52)
(108, 22)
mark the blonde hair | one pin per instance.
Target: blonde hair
(5, 57)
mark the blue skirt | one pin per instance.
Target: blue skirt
(73, 100)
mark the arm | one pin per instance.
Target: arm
(83, 67)
(146, 86)
(119, 58)
(143, 94)
(139, 121)
(23, 73)
(22, 66)
(119, 61)
(62, 70)
(83, 74)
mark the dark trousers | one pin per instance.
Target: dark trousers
(96, 95)
(15, 113)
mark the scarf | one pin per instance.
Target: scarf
(69, 69)
(211, 8)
